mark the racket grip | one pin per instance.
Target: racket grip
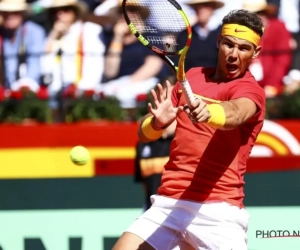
(187, 91)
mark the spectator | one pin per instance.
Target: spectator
(292, 81)
(36, 13)
(203, 50)
(289, 12)
(276, 3)
(74, 51)
(101, 13)
(274, 61)
(21, 44)
(92, 4)
(189, 11)
(130, 68)
(103, 16)
(229, 5)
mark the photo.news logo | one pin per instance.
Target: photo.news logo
(268, 234)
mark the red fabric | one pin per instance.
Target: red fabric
(16, 95)
(70, 91)
(89, 93)
(276, 54)
(205, 163)
(42, 93)
(2, 93)
(142, 97)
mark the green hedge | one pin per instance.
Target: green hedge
(284, 106)
(93, 108)
(27, 105)
(23, 106)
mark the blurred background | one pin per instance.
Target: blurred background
(71, 73)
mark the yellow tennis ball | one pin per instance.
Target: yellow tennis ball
(79, 155)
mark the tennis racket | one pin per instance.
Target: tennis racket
(160, 32)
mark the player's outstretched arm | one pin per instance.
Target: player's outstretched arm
(224, 115)
(238, 111)
(160, 116)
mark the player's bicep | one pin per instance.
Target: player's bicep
(248, 102)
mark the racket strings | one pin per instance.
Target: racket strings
(163, 23)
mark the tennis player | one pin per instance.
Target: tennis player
(200, 201)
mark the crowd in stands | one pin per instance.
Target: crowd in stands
(65, 49)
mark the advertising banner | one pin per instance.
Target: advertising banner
(275, 228)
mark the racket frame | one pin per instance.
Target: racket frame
(178, 70)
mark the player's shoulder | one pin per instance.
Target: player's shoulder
(249, 82)
(194, 70)
(200, 71)
(196, 74)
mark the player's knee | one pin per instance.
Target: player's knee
(129, 241)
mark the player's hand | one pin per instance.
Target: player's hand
(164, 112)
(198, 111)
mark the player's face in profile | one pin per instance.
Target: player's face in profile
(235, 55)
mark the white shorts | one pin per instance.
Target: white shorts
(209, 226)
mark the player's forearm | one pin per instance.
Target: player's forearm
(229, 115)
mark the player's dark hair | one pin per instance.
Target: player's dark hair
(245, 18)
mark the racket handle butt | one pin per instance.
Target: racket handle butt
(187, 91)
